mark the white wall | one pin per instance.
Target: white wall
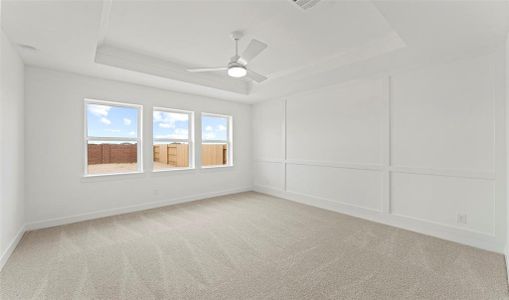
(507, 149)
(11, 148)
(412, 149)
(56, 191)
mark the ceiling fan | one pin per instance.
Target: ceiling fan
(237, 67)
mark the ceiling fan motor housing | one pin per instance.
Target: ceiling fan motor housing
(237, 35)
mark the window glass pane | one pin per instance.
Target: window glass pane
(112, 121)
(214, 128)
(112, 157)
(170, 155)
(170, 125)
(214, 154)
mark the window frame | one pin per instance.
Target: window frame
(189, 140)
(138, 139)
(228, 141)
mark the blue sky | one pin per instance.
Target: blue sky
(111, 121)
(213, 128)
(170, 125)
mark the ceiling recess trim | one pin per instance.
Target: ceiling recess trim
(111, 55)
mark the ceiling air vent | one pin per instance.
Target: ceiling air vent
(305, 4)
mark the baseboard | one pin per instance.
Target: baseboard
(7, 252)
(129, 209)
(470, 238)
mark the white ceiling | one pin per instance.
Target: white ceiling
(295, 37)
(153, 42)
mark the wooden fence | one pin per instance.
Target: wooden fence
(214, 154)
(112, 153)
(176, 155)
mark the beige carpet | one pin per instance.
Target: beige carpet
(245, 246)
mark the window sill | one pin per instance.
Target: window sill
(111, 176)
(140, 174)
(217, 167)
(175, 170)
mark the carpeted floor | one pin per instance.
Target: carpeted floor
(245, 246)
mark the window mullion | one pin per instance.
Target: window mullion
(215, 141)
(172, 140)
(116, 139)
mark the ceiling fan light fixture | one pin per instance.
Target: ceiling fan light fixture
(237, 67)
(237, 71)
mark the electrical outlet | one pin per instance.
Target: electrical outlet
(462, 219)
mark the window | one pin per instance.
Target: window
(216, 148)
(173, 139)
(112, 138)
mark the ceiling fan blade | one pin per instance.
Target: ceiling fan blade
(255, 76)
(214, 69)
(254, 48)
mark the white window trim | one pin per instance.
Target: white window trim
(228, 141)
(138, 139)
(189, 140)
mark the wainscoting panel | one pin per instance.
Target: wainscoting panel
(269, 174)
(422, 149)
(443, 200)
(359, 188)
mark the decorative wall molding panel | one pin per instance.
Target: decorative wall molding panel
(422, 150)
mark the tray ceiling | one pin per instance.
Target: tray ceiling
(153, 42)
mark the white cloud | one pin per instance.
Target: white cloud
(157, 116)
(209, 135)
(162, 116)
(127, 121)
(178, 117)
(132, 133)
(112, 130)
(214, 133)
(168, 119)
(105, 121)
(99, 110)
(179, 133)
(182, 133)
